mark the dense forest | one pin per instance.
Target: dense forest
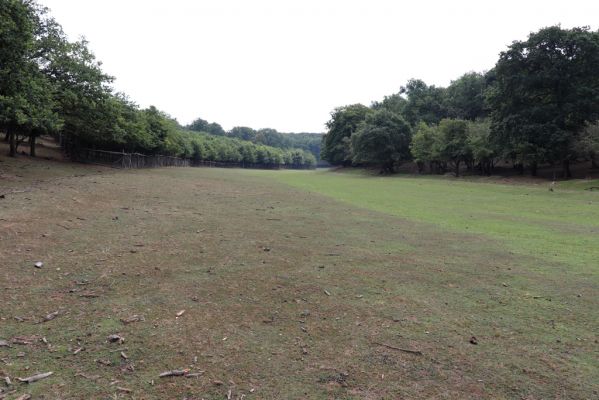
(52, 86)
(538, 106)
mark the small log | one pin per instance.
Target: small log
(35, 378)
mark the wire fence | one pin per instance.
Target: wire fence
(127, 160)
(117, 159)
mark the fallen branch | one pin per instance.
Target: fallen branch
(417, 352)
(35, 378)
(174, 372)
(132, 319)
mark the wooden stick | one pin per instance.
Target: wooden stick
(417, 352)
(35, 378)
(174, 372)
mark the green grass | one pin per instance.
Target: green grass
(353, 261)
(560, 226)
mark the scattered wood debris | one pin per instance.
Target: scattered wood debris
(124, 390)
(35, 378)
(417, 352)
(25, 340)
(24, 397)
(51, 316)
(124, 356)
(78, 350)
(38, 264)
(180, 313)
(89, 295)
(4, 343)
(327, 292)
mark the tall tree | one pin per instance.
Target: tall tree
(453, 142)
(546, 91)
(16, 41)
(382, 139)
(343, 123)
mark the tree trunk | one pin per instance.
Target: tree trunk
(12, 143)
(533, 169)
(32, 145)
(566, 165)
(594, 162)
(6, 137)
(457, 169)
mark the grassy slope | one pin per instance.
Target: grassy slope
(195, 239)
(560, 226)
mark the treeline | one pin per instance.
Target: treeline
(52, 86)
(538, 106)
(269, 137)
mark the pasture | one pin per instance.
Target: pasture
(295, 284)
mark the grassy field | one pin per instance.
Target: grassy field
(295, 285)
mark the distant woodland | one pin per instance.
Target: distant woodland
(52, 86)
(538, 106)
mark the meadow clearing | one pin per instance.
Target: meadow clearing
(295, 284)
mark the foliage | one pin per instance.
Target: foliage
(49, 85)
(382, 139)
(481, 147)
(546, 92)
(466, 97)
(343, 123)
(542, 99)
(424, 103)
(424, 146)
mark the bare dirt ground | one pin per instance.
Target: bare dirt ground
(263, 291)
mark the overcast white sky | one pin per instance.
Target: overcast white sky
(286, 64)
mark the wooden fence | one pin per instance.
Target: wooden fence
(116, 159)
(126, 160)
